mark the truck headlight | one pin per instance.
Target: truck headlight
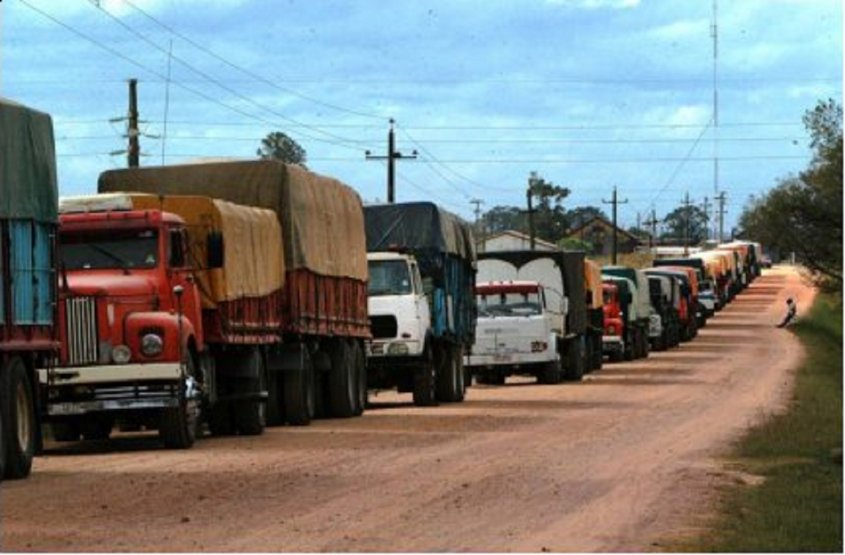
(397, 349)
(152, 345)
(121, 354)
(611, 330)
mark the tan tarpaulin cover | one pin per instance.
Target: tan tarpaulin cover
(253, 265)
(322, 219)
(593, 282)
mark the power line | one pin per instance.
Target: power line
(211, 79)
(681, 163)
(191, 90)
(245, 71)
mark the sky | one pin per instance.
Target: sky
(590, 94)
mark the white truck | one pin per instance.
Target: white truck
(532, 316)
(421, 303)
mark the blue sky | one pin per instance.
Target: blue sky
(589, 93)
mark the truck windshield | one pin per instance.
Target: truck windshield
(509, 304)
(389, 277)
(124, 249)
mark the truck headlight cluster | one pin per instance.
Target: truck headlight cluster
(121, 354)
(152, 345)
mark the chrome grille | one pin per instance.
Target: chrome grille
(82, 331)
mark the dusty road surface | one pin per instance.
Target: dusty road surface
(608, 464)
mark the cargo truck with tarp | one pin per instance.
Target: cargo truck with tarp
(552, 347)
(636, 342)
(28, 335)
(422, 266)
(276, 334)
(595, 315)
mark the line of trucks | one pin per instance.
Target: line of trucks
(238, 295)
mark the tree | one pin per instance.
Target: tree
(803, 214)
(278, 146)
(582, 214)
(677, 220)
(550, 221)
(504, 218)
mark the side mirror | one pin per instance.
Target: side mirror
(214, 250)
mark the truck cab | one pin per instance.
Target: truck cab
(400, 317)
(131, 325)
(517, 332)
(613, 340)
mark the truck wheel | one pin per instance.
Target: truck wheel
(220, 422)
(425, 381)
(2, 448)
(361, 375)
(299, 393)
(598, 355)
(629, 346)
(343, 381)
(574, 370)
(551, 373)
(273, 410)
(18, 418)
(178, 425)
(448, 381)
(460, 373)
(67, 430)
(96, 427)
(251, 416)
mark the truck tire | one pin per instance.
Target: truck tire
(630, 346)
(178, 426)
(448, 380)
(425, 380)
(343, 380)
(18, 419)
(574, 370)
(551, 374)
(461, 375)
(361, 375)
(250, 417)
(220, 421)
(598, 355)
(588, 356)
(2, 447)
(96, 427)
(66, 430)
(274, 414)
(299, 393)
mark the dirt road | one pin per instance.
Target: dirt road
(612, 463)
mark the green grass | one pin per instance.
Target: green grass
(799, 505)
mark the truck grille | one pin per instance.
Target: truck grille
(383, 327)
(81, 331)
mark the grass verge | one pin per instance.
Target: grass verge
(798, 507)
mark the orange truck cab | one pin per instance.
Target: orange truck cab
(131, 324)
(614, 326)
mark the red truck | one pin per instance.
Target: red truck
(181, 306)
(28, 219)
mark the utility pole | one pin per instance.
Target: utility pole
(652, 222)
(134, 149)
(392, 156)
(478, 202)
(615, 202)
(706, 208)
(531, 239)
(686, 202)
(721, 199)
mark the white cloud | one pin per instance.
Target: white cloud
(681, 29)
(120, 8)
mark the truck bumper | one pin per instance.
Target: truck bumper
(507, 359)
(75, 391)
(612, 344)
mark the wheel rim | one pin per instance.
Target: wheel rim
(23, 411)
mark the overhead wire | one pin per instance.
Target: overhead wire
(214, 81)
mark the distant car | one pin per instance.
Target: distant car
(765, 261)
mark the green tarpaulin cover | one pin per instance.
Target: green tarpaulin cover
(28, 186)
